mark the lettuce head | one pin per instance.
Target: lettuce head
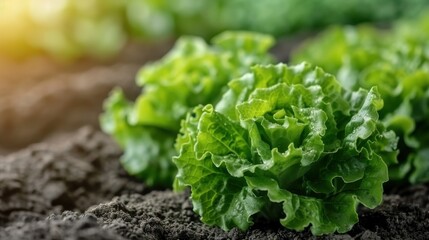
(289, 144)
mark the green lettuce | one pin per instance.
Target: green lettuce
(192, 73)
(397, 62)
(356, 46)
(276, 17)
(286, 143)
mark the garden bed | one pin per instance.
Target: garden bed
(71, 186)
(74, 188)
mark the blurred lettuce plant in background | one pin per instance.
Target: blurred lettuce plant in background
(397, 62)
(69, 29)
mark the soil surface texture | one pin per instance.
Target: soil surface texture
(74, 188)
(73, 172)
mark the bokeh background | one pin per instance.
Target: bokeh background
(60, 58)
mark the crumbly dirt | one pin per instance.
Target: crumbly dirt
(168, 215)
(74, 188)
(73, 172)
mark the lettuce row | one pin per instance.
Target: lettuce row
(192, 73)
(398, 64)
(276, 17)
(285, 143)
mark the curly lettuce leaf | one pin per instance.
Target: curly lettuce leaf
(395, 61)
(288, 144)
(192, 73)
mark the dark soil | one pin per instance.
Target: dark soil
(72, 173)
(64, 189)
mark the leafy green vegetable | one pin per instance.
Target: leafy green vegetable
(286, 143)
(395, 61)
(332, 48)
(192, 73)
